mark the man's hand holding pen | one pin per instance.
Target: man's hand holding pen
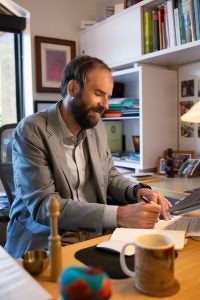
(149, 196)
(145, 213)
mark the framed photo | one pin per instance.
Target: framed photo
(180, 157)
(161, 166)
(51, 56)
(187, 88)
(42, 105)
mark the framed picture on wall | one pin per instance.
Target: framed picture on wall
(42, 105)
(51, 56)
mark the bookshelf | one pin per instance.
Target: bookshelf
(156, 103)
(124, 43)
(147, 76)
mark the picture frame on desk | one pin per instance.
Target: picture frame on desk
(180, 157)
(51, 56)
(190, 168)
(161, 166)
(41, 105)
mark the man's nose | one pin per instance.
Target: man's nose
(105, 102)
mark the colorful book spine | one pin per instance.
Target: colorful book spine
(166, 23)
(156, 43)
(193, 29)
(187, 20)
(181, 22)
(196, 6)
(160, 25)
(177, 26)
(170, 15)
(148, 32)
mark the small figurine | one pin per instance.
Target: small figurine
(169, 163)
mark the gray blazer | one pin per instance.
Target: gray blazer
(41, 170)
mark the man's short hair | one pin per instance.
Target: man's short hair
(77, 70)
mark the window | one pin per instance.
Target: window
(8, 101)
(11, 84)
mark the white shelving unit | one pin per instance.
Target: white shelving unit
(152, 78)
(156, 105)
(118, 40)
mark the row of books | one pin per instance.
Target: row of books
(122, 107)
(172, 23)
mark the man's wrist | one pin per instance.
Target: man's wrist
(138, 187)
(131, 192)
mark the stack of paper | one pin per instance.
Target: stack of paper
(16, 283)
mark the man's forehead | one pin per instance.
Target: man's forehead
(98, 78)
(99, 72)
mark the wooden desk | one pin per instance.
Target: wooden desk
(187, 272)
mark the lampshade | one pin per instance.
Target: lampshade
(193, 114)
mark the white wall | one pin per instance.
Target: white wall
(59, 19)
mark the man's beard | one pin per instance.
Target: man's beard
(84, 116)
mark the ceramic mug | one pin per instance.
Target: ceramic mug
(154, 265)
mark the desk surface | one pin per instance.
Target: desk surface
(172, 186)
(187, 272)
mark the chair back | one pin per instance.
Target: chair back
(6, 167)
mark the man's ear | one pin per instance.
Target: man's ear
(73, 88)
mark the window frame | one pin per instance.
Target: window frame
(15, 25)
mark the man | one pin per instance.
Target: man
(63, 152)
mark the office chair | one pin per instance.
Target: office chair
(6, 169)
(6, 177)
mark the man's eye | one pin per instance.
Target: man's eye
(98, 93)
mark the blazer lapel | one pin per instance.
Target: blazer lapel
(56, 142)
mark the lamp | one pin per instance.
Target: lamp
(193, 114)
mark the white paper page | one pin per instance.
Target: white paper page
(191, 224)
(129, 235)
(16, 283)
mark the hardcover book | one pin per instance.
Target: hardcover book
(161, 26)
(170, 15)
(177, 26)
(156, 42)
(181, 22)
(187, 20)
(166, 24)
(114, 134)
(196, 7)
(148, 32)
(193, 29)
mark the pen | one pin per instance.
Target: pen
(145, 199)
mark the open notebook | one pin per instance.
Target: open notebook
(130, 234)
(179, 227)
